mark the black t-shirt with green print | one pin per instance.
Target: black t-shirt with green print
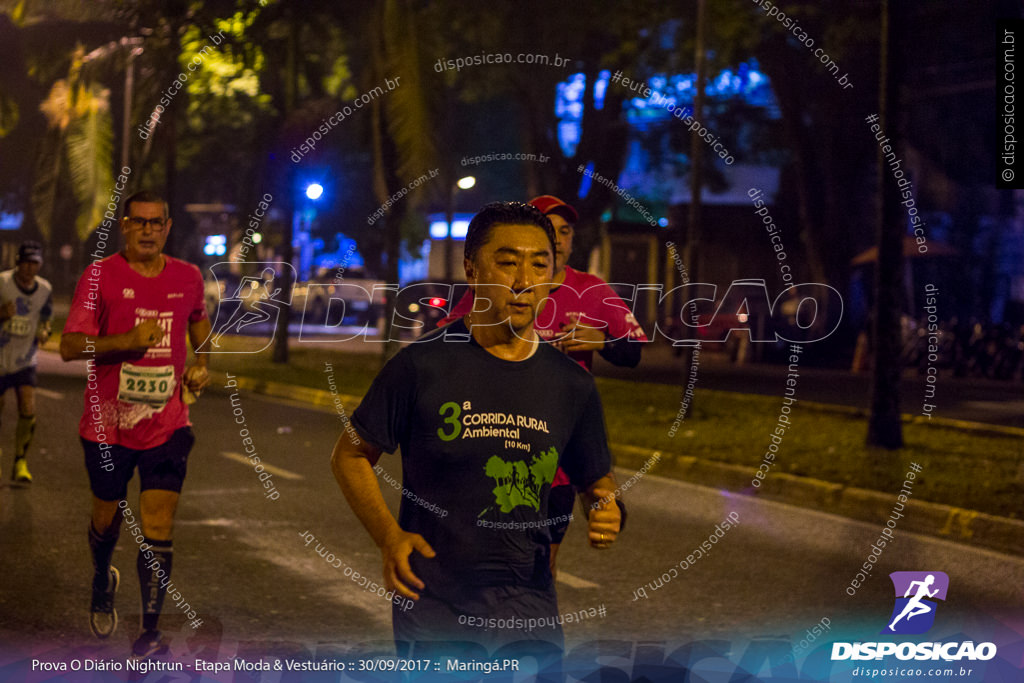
(481, 438)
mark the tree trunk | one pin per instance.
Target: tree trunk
(383, 164)
(691, 258)
(790, 97)
(280, 354)
(884, 427)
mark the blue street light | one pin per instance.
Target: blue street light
(216, 245)
(314, 191)
(302, 220)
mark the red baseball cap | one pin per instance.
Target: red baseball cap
(550, 204)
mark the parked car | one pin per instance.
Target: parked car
(317, 301)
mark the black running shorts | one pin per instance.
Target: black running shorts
(161, 467)
(23, 377)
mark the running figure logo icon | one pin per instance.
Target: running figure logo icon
(916, 592)
(253, 305)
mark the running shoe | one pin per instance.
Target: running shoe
(148, 645)
(102, 615)
(21, 474)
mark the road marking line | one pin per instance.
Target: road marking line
(225, 522)
(575, 581)
(206, 522)
(218, 492)
(49, 394)
(284, 474)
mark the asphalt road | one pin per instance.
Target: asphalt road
(241, 562)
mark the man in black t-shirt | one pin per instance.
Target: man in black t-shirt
(484, 414)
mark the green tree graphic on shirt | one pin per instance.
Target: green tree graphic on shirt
(519, 483)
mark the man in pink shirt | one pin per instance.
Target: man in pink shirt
(129, 319)
(582, 314)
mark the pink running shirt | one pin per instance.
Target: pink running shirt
(133, 398)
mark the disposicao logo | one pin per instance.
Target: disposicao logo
(914, 613)
(916, 592)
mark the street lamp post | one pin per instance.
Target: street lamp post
(135, 49)
(312, 192)
(303, 221)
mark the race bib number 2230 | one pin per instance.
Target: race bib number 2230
(151, 385)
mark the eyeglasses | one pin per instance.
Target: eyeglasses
(140, 223)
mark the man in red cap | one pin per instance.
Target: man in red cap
(582, 315)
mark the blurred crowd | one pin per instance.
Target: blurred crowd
(969, 348)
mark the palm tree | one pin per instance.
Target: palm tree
(75, 153)
(403, 147)
(58, 150)
(80, 137)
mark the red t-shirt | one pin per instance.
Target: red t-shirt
(134, 398)
(581, 296)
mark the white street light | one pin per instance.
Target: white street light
(314, 191)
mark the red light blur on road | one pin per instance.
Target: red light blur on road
(437, 301)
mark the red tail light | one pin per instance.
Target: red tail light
(438, 301)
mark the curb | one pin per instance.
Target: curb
(932, 519)
(906, 418)
(316, 397)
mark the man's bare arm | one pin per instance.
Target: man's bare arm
(199, 337)
(352, 463)
(197, 375)
(76, 345)
(603, 515)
